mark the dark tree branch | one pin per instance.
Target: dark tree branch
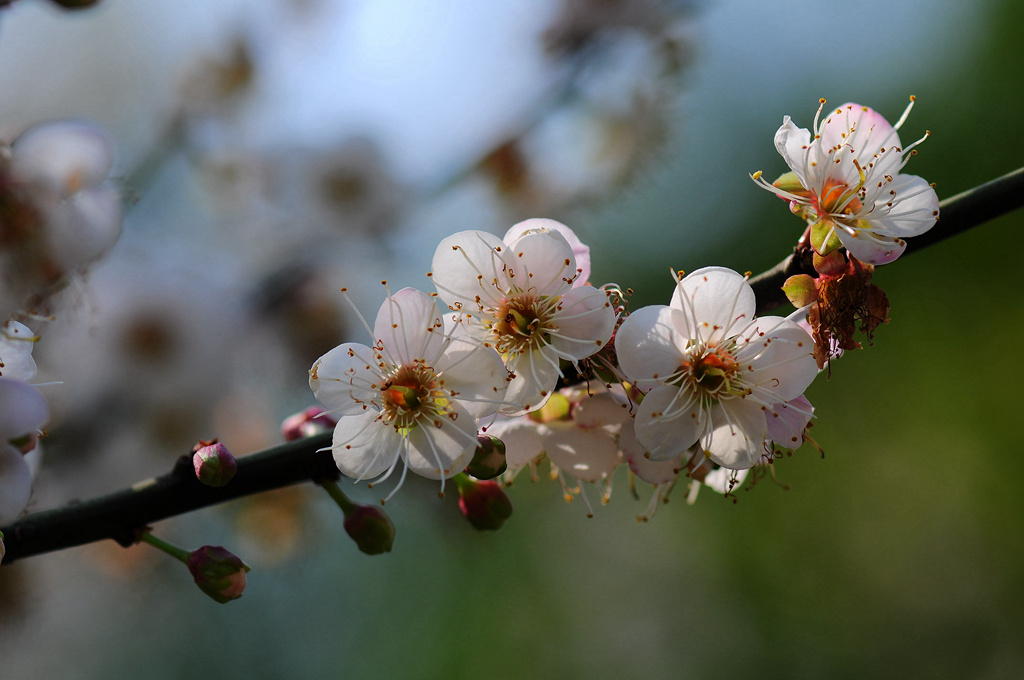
(120, 515)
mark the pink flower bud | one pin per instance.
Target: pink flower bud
(218, 573)
(371, 529)
(215, 466)
(313, 420)
(485, 504)
(489, 459)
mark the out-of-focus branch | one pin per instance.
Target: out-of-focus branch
(957, 214)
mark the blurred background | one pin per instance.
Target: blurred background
(273, 151)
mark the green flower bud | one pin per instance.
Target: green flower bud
(218, 573)
(371, 528)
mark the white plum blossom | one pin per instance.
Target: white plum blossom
(577, 430)
(16, 343)
(67, 163)
(711, 371)
(22, 412)
(846, 181)
(414, 396)
(527, 297)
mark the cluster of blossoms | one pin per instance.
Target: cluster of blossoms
(699, 387)
(58, 215)
(705, 384)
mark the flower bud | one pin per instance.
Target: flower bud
(313, 420)
(488, 459)
(215, 466)
(485, 504)
(371, 528)
(218, 573)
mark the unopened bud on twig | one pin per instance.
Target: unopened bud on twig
(218, 572)
(215, 466)
(367, 525)
(485, 504)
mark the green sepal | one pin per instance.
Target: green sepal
(790, 183)
(556, 408)
(800, 290)
(824, 239)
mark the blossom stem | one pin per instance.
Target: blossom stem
(335, 492)
(174, 551)
(958, 214)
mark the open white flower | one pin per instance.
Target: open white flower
(67, 163)
(415, 395)
(846, 182)
(711, 370)
(526, 297)
(22, 412)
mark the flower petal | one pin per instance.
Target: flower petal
(650, 471)
(541, 260)
(23, 409)
(794, 145)
(409, 326)
(585, 320)
(468, 265)
(667, 437)
(474, 375)
(580, 252)
(344, 380)
(16, 342)
(587, 455)
(67, 155)
(536, 374)
(915, 208)
(788, 420)
(646, 343)
(365, 446)
(521, 439)
(736, 440)
(779, 358)
(443, 448)
(719, 300)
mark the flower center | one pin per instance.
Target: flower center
(410, 392)
(713, 371)
(835, 199)
(521, 323)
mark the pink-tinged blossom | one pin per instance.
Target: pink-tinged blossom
(525, 296)
(711, 370)
(788, 421)
(414, 396)
(846, 181)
